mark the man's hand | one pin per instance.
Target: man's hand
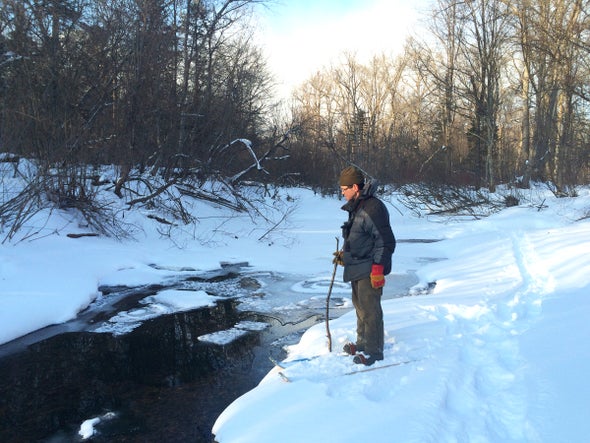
(337, 260)
(377, 277)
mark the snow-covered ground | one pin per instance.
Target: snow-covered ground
(495, 352)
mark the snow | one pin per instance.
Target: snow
(228, 335)
(88, 427)
(491, 343)
(165, 302)
(495, 353)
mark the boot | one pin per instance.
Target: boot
(367, 360)
(351, 349)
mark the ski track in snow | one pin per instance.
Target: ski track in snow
(488, 368)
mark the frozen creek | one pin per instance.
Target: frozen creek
(145, 367)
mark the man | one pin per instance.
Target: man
(366, 256)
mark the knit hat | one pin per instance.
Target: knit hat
(351, 176)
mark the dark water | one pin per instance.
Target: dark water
(157, 383)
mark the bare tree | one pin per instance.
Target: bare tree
(551, 38)
(482, 50)
(436, 63)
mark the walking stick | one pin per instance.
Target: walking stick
(328, 299)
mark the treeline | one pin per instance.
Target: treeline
(496, 91)
(156, 85)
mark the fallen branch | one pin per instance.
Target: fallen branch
(87, 234)
(160, 220)
(154, 194)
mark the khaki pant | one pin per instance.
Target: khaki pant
(369, 317)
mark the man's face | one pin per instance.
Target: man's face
(349, 192)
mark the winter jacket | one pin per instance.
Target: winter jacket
(368, 238)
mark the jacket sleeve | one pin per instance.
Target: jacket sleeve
(383, 237)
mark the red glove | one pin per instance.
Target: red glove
(377, 277)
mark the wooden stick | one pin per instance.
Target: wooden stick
(328, 299)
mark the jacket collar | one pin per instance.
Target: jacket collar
(368, 191)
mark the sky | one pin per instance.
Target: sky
(496, 351)
(303, 37)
